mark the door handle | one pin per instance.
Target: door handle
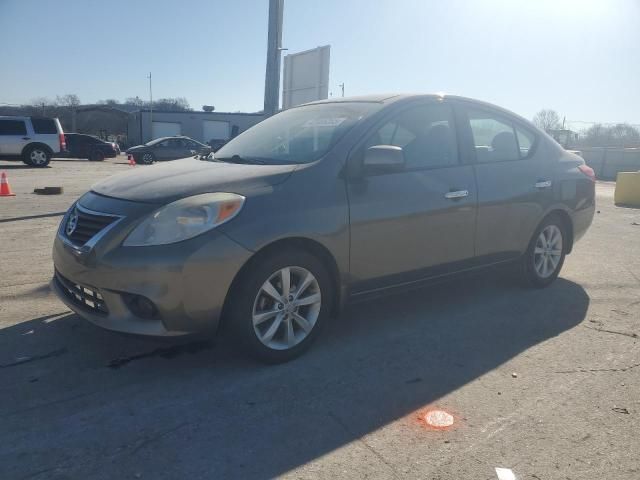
(456, 194)
(26, 138)
(543, 184)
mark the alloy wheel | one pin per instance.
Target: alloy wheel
(38, 157)
(286, 308)
(548, 251)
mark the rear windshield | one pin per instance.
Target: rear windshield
(44, 125)
(298, 135)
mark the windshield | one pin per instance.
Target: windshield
(299, 135)
(153, 142)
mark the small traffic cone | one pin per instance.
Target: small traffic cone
(5, 188)
(132, 161)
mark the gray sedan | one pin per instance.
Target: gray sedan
(167, 148)
(316, 206)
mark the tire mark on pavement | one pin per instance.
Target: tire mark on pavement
(27, 359)
(632, 335)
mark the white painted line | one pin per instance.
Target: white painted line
(505, 474)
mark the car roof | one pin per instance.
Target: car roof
(389, 98)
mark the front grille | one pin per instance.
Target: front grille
(83, 296)
(89, 224)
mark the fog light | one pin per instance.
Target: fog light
(141, 306)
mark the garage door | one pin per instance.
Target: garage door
(215, 130)
(165, 129)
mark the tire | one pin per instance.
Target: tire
(146, 158)
(96, 156)
(36, 156)
(255, 315)
(541, 264)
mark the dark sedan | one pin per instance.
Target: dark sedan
(89, 147)
(168, 148)
(321, 204)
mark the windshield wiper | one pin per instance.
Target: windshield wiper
(240, 160)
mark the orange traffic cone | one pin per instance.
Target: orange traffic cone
(132, 161)
(5, 188)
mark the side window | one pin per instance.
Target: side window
(12, 127)
(44, 125)
(426, 134)
(494, 138)
(164, 144)
(525, 141)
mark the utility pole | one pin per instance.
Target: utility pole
(342, 87)
(274, 51)
(150, 107)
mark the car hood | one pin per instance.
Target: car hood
(136, 148)
(164, 183)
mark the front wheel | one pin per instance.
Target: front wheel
(280, 305)
(542, 262)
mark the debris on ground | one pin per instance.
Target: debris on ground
(621, 410)
(48, 191)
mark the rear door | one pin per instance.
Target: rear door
(514, 179)
(13, 136)
(414, 223)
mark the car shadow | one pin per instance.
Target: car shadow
(20, 166)
(80, 402)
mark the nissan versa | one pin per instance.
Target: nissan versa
(317, 205)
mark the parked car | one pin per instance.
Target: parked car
(34, 140)
(315, 206)
(87, 146)
(168, 148)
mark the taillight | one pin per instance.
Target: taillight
(63, 142)
(588, 171)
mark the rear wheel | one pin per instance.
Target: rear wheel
(36, 156)
(544, 258)
(280, 305)
(96, 156)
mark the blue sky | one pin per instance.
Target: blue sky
(579, 57)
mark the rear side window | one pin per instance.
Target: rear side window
(496, 139)
(525, 141)
(12, 127)
(426, 134)
(44, 125)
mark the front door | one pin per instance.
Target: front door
(414, 223)
(13, 136)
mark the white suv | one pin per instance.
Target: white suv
(34, 140)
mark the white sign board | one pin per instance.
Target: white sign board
(306, 77)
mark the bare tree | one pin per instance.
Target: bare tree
(108, 101)
(68, 100)
(547, 119)
(178, 104)
(137, 101)
(619, 135)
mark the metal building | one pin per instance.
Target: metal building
(205, 127)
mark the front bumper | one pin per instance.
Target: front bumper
(187, 282)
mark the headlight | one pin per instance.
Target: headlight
(185, 219)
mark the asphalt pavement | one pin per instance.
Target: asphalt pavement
(544, 383)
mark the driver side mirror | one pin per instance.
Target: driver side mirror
(383, 159)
